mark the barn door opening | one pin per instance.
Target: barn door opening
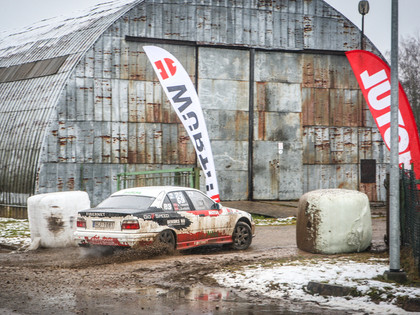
(277, 142)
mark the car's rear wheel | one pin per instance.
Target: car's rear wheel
(167, 238)
(242, 236)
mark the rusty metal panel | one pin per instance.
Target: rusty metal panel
(266, 161)
(325, 27)
(345, 110)
(379, 150)
(291, 171)
(381, 174)
(370, 189)
(344, 145)
(224, 94)
(323, 145)
(277, 126)
(227, 124)
(316, 72)
(330, 176)
(365, 143)
(223, 64)
(227, 94)
(308, 142)
(231, 160)
(278, 67)
(282, 97)
(315, 107)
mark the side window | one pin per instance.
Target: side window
(167, 205)
(178, 200)
(199, 201)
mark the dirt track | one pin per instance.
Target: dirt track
(76, 281)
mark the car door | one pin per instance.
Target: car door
(213, 222)
(191, 230)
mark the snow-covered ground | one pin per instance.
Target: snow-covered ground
(289, 280)
(14, 232)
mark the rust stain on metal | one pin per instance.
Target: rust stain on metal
(70, 183)
(65, 140)
(261, 126)
(307, 24)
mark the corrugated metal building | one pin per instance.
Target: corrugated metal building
(79, 102)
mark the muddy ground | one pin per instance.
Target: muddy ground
(80, 281)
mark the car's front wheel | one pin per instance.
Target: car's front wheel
(242, 236)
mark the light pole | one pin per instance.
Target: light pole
(363, 10)
(394, 273)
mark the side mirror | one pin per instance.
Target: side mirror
(216, 206)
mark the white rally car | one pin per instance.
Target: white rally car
(178, 216)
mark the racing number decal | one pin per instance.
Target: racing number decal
(178, 201)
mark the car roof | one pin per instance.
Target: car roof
(150, 191)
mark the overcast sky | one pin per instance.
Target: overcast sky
(16, 14)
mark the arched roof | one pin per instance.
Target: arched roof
(34, 66)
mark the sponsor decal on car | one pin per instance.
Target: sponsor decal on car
(95, 214)
(176, 222)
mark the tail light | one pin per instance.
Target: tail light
(130, 225)
(81, 223)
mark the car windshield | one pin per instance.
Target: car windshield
(127, 202)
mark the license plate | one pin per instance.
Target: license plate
(103, 225)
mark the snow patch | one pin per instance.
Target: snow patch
(289, 280)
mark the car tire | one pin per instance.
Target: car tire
(167, 237)
(242, 236)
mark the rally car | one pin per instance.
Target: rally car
(176, 216)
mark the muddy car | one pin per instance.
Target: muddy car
(177, 216)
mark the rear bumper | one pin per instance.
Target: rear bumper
(113, 239)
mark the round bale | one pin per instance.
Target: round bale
(52, 217)
(332, 221)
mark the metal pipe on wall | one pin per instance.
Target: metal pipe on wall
(251, 125)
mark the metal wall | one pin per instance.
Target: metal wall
(272, 78)
(308, 116)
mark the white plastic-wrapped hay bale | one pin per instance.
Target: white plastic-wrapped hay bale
(332, 221)
(52, 217)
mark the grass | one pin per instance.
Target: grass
(14, 232)
(264, 220)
